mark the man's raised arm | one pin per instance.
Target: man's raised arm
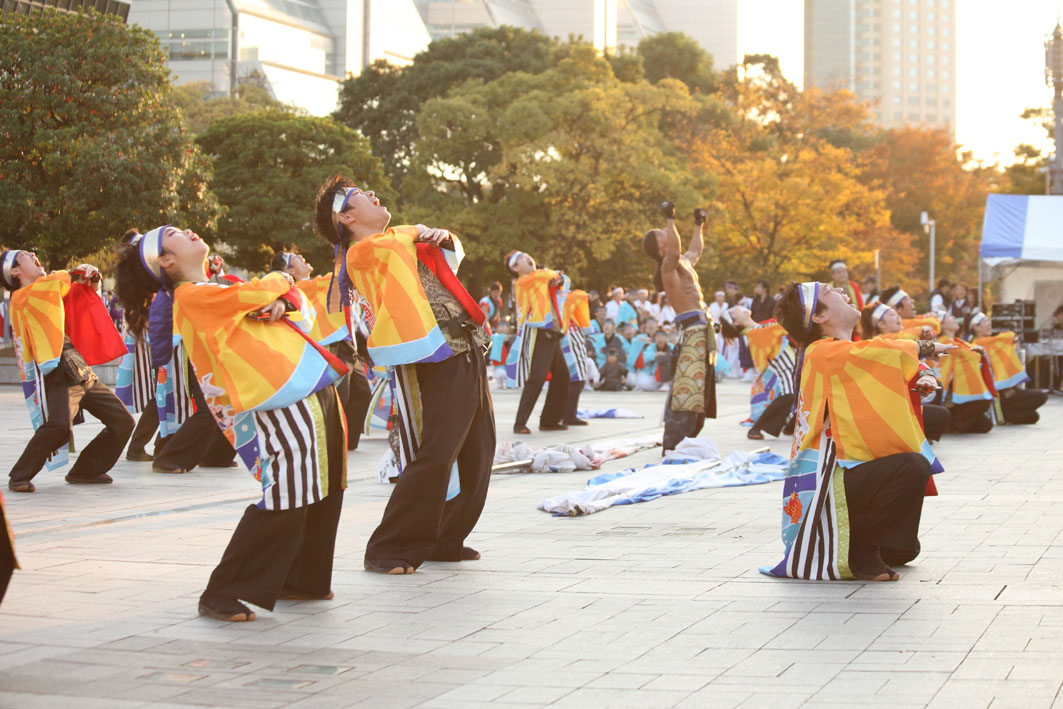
(697, 244)
(671, 246)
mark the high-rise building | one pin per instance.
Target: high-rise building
(302, 48)
(107, 7)
(605, 23)
(898, 54)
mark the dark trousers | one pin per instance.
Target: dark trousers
(1020, 405)
(885, 501)
(546, 358)
(7, 555)
(355, 393)
(290, 550)
(65, 399)
(145, 430)
(199, 440)
(419, 524)
(572, 406)
(935, 421)
(970, 417)
(679, 425)
(775, 415)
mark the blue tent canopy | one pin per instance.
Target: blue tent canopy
(1023, 227)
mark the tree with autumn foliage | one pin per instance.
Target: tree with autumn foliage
(90, 143)
(919, 170)
(790, 195)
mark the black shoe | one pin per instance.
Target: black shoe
(228, 609)
(391, 567)
(101, 479)
(521, 430)
(576, 422)
(157, 468)
(22, 486)
(553, 427)
(138, 456)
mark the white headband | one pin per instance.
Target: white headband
(838, 263)
(136, 239)
(9, 262)
(896, 298)
(286, 257)
(977, 318)
(727, 317)
(151, 249)
(513, 259)
(809, 293)
(879, 312)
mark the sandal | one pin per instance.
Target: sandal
(391, 567)
(228, 609)
(23, 486)
(522, 430)
(755, 435)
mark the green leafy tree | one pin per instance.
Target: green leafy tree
(201, 105)
(674, 55)
(382, 102)
(268, 167)
(568, 165)
(89, 140)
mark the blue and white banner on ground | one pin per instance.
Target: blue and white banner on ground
(1028, 227)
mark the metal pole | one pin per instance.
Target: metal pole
(878, 271)
(933, 252)
(234, 46)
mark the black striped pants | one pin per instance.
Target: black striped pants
(292, 549)
(419, 524)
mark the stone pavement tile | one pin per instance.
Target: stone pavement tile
(717, 697)
(621, 680)
(25, 700)
(538, 696)
(963, 692)
(582, 698)
(477, 692)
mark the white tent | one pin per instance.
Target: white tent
(1022, 249)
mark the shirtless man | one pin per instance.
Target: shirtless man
(692, 396)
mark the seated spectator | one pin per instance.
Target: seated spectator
(613, 373)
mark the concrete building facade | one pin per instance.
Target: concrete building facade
(608, 24)
(303, 48)
(898, 54)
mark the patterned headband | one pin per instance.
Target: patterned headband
(151, 250)
(513, 259)
(7, 263)
(339, 203)
(896, 298)
(879, 312)
(977, 318)
(809, 292)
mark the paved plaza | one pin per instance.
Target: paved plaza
(655, 604)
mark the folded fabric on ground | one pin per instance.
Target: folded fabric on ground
(651, 482)
(614, 413)
(691, 450)
(566, 459)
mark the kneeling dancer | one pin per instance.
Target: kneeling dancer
(268, 386)
(428, 331)
(860, 464)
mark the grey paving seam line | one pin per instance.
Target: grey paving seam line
(127, 518)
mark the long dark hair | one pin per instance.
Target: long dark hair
(868, 328)
(136, 288)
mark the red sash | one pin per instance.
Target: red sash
(432, 256)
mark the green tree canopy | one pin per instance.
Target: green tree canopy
(568, 165)
(382, 102)
(201, 105)
(267, 168)
(674, 55)
(90, 143)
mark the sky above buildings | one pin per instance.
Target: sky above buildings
(1000, 64)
